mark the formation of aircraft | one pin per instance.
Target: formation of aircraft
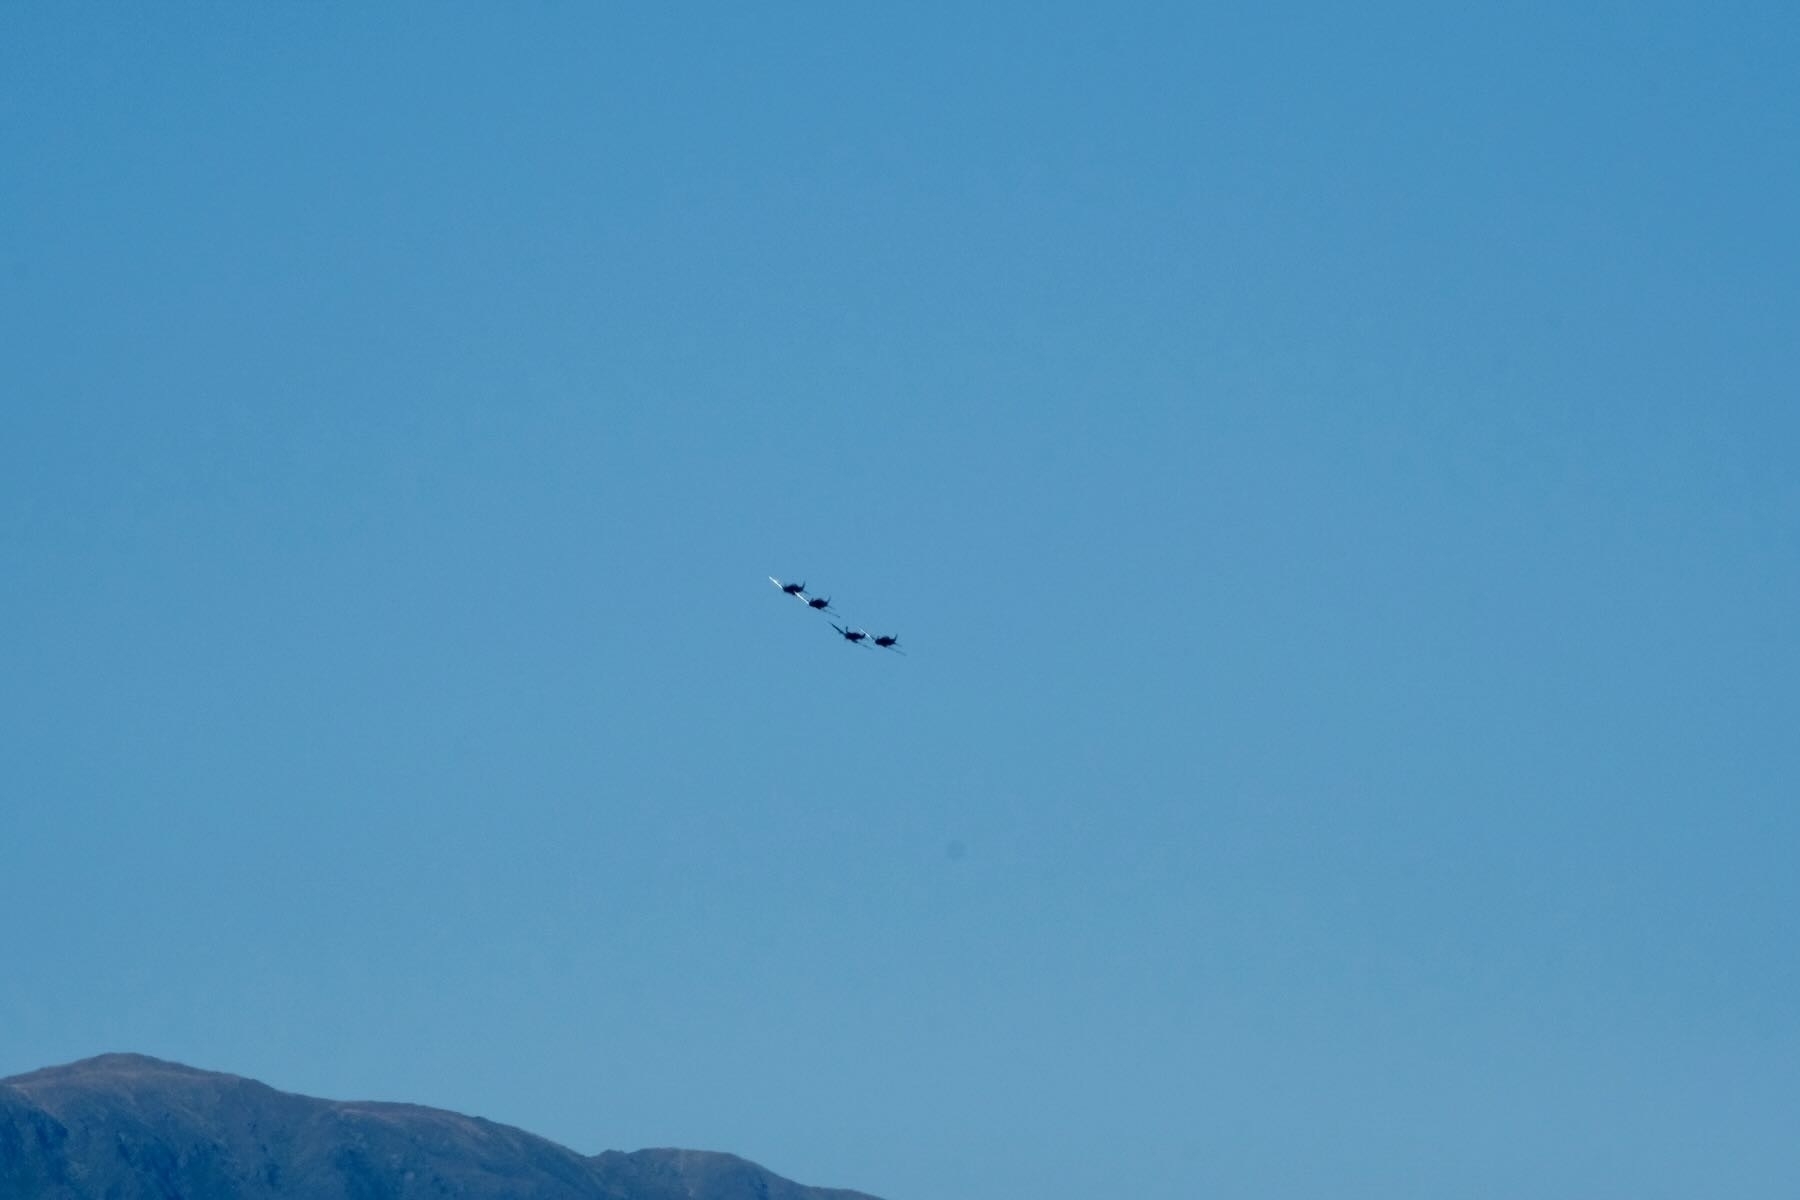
(856, 637)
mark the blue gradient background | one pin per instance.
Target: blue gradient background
(1333, 467)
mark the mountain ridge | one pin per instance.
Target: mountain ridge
(124, 1126)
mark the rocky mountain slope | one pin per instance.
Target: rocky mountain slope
(127, 1127)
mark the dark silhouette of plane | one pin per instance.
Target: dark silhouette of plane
(889, 642)
(796, 590)
(853, 636)
(822, 603)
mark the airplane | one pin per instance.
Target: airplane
(889, 642)
(853, 636)
(796, 590)
(822, 603)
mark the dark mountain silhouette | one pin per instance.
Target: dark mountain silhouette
(127, 1127)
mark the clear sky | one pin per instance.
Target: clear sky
(1333, 467)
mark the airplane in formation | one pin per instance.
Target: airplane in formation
(856, 637)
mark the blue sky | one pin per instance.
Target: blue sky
(1333, 470)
